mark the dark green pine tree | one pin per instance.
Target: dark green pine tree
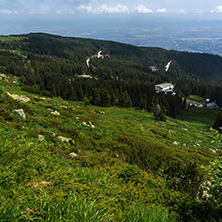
(72, 93)
(65, 92)
(159, 113)
(145, 103)
(105, 98)
(218, 122)
(162, 116)
(53, 91)
(79, 93)
(125, 100)
(96, 98)
(152, 104)
(141, 103)
(184, 103)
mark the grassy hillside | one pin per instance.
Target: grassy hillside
(117, 164)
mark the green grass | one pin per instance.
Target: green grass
(126, 168)
(11, 38)
(196, 98)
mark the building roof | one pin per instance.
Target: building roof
(212, 104)
(164, 85)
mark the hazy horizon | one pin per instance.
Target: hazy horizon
(168, 24)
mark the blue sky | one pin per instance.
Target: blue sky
(204, 8)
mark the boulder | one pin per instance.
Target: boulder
(73, 155)
(20, 112)
(64, 139)
(175, 143)
(41, 137)
(3, 75)
(56, 113)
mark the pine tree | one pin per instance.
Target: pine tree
(79, 92)
(105, 98)
(159, 113)
(96, 98)
(162, 116)
(184, 103)
(53, 91)
(218, 122)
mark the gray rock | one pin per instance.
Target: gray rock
(73, 155)
(20, 98)
(20, 112)
(41, 137)
(175, 143)
(56, 113)
(64, 139)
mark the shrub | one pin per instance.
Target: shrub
(36, 91)
(213, 183)
(159, 113)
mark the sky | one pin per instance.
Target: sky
(204, 8)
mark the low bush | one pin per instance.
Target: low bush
(36, 91)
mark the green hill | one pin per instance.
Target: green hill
(204, 66)
(67, 161)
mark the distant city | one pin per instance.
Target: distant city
(180, 41)
(191, 36)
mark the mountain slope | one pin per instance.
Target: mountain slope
(205, 66)
(117, 163)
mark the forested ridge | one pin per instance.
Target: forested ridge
(54, 64)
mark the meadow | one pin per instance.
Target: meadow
(118, 164)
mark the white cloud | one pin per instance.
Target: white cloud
(181, 11)
(104, 9)
(161, 10)
(65, 11)
(41, 11)
(217, 10)
(7, 11)
(143, 9)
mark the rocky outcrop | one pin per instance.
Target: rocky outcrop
(20, 98)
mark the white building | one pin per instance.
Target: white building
(164, 87)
